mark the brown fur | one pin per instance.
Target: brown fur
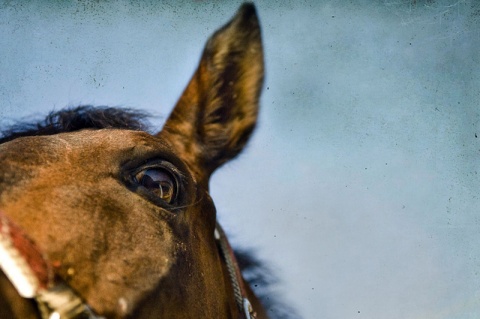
(218, 110)
(126, 255)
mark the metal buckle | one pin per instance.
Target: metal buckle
(248, 309)
(60, 302)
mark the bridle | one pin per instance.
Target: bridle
(241, 299)
(31, 275)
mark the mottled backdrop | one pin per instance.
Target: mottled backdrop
(361, 185)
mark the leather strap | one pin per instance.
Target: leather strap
(241, 297)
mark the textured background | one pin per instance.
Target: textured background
(361, 185)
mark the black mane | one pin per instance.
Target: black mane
(261, 279)
(255, 272)
(78, 118)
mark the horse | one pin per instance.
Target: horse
(101, 219)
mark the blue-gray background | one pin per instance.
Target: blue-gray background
(361, 185)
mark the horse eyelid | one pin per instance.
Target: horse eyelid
(180, 179)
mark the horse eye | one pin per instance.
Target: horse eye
(159, 182)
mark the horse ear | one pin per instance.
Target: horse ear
(217, 112)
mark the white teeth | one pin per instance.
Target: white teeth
(14, 265)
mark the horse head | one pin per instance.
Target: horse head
(123, 217)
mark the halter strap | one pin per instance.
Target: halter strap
(241, 297)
